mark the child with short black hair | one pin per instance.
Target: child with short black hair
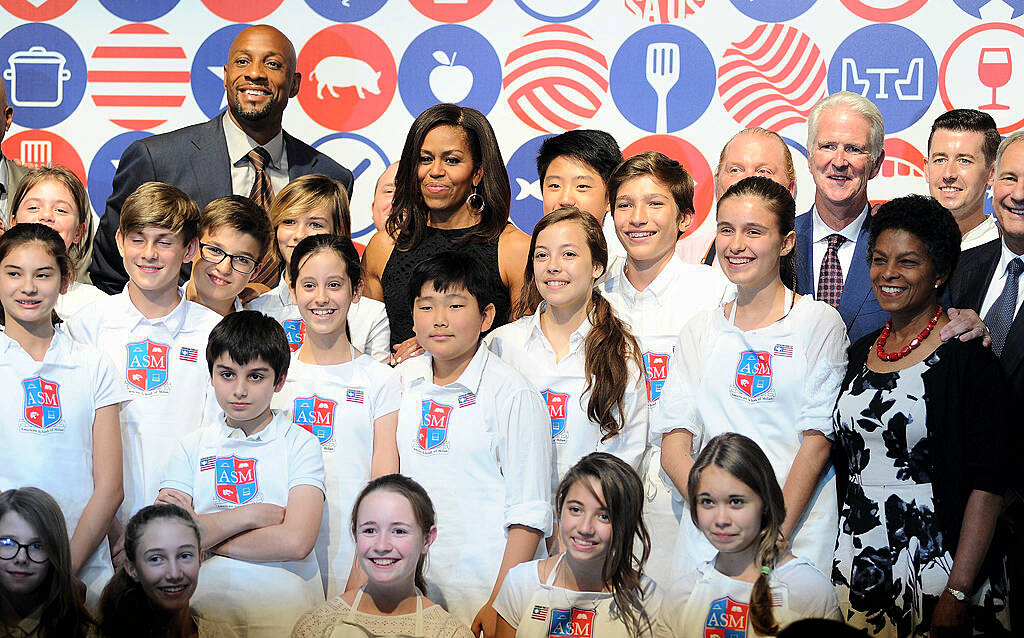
(154, 336)
(476, 435)
(234, 236)
(255, 484)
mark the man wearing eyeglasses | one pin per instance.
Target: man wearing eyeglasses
(234, 235)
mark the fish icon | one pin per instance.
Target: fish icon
(527, 189)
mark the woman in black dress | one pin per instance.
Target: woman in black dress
(921, 439)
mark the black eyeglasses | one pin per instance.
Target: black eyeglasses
(35, 550)
(214, 255)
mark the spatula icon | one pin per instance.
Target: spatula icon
(662, 74)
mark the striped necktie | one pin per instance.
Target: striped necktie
(262, 193)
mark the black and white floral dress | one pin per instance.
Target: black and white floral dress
(891, 564)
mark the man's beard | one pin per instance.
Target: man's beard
(252, 115)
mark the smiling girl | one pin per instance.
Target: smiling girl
(59, 420)
(571, 344)
(392, 522)
(596, 585)
(341, 395)
(767, 365)
(752, 583)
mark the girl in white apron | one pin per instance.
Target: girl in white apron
(573, 348)
(59, 419)
(596, 587)
(344, 397)
(656, 294)
(40, 598)
(150, 593)
(317, 205)
(393, 524)
(768, 366)
(752, 587)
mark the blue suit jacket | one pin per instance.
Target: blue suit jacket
(195, 159)
(858, 306)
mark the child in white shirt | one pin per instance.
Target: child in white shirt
(476, 435)
(316, 205)
(154, 336)
(256, 485)
(752, 586)
(573, 346)
(346, 398)
(59, 418)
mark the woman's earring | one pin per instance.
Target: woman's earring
(475, 202)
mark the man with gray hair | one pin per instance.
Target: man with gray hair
(845, 150)
(11, 174)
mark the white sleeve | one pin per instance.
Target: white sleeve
(180, 471)
(516, 592)
(826, 365)
(676, 409)
(378, 340)
(811, 594)
(388, 398)
(107, 391)
(631, 441)
(80, 326)
(524, 453)
(306, 461)
(493, 340)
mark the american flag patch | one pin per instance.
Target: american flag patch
(207, 463)
(354, 396)
(540, 612)
(467, 399)
(782, 351)
(189, 354)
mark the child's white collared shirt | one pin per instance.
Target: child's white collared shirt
(338, 404)
(481, 446)
(563, 384)
(368, 325)
(221, 468)
(161, 364)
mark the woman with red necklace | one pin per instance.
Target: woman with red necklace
(920, 448)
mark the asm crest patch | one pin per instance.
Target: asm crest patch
(753, 380)
(558, 404)
(656, 369)
(432, 435)
(235, 479)
(727, 618)
(147, 367)
(42, 405)
(315, 415)
(572, 623)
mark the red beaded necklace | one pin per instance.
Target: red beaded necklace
(907, 349)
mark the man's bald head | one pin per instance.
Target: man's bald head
(6, 112)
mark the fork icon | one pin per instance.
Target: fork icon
(662, 69)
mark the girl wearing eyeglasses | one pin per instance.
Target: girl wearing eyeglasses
(37, 588)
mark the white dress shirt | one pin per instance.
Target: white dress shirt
(995, 287)
(243, 174)
(819, 236)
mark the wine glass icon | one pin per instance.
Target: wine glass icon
(995, 66)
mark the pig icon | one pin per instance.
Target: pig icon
(336, 72)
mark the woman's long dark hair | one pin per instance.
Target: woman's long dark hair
(610, 350)
(63, 613)
(409, 215)
(125, 609)
(623, 500)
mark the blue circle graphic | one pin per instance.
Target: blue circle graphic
(527, 205)
(104, 165)
(135, 11)
(772, 10)
(208, 69)
(891, 66)
(662, 78)
(449, 63)
(542, 9)
(44, 72)
(346, 10)
(973, 7)
(364, 178)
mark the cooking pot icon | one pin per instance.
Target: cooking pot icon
(37, 77)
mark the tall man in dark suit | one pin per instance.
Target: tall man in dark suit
(10, 173)
(845, 150)
(242, 152)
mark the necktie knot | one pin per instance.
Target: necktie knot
(1015, 267)
(835, 241)
(259, 157)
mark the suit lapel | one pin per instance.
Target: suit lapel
(857, 288)
(210, 162)
(300, 160)
(804, 272)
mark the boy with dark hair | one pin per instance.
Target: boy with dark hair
(154, 336)
(234, 235)
(477, 436)
(255, 484)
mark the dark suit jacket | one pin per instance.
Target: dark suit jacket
(195, 159)
(858, 306)
(15, 174)
(967, 288)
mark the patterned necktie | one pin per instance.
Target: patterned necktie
(830, 279)
(1000, 315)
(263, 194)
